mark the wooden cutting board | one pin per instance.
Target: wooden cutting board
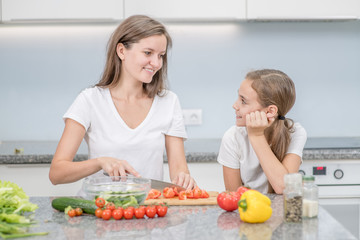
(176, 202)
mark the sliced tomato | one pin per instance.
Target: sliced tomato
(189, 193)
(153, 194)
(176, 191)
(204, 194)
(168, 192)
(197, 192)
(182, 195)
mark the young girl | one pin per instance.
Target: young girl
(128, 119)
(264, 145)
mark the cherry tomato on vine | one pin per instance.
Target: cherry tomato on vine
(161, 210)
(98, 212)
(78, 211)
(139, 212)
(129, 212)
(106, 214)
(117, 213)
(72, 213)
(110, 206)
(100, 202)
(150, 211)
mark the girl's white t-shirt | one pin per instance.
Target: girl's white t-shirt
(107, 135)
(236, 152)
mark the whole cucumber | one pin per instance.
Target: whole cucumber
(61, 203)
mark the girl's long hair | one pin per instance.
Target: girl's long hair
(130, 31)
(275, 88)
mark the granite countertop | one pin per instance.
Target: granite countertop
(196, 150)
(186, 222)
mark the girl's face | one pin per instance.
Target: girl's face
(143, 59)
(247, 102)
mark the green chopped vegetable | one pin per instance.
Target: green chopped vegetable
(13, 204)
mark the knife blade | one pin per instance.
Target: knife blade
(160, 185)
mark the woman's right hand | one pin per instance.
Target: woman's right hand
(116, 167)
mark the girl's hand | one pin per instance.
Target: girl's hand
(184, 180)
(257, 122)
(116, 167)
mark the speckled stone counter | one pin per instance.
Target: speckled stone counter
(197, 150)
(186, 222)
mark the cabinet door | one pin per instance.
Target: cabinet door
(303, 9)
(187, 9)
(20, 10)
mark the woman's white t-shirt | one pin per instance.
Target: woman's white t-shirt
(107, 135)
(236, 152)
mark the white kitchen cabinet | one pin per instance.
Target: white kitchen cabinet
(67, 10)
(34, 180)
(187, 9)
(302, 9)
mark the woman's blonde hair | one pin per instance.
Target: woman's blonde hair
(275, 88)
(130, 31)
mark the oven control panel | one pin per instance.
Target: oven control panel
(329, 172)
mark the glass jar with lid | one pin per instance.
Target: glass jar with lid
(293, 197)
(310, 197)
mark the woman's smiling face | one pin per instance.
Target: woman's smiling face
(247, 102)
(143, 59)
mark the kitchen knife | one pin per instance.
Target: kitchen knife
(160, 185)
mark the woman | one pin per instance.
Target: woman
(128, 119)
(264, 145)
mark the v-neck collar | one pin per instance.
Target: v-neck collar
(117, 114)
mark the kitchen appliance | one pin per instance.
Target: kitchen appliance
(338, 181)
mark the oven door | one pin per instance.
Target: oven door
(343, 203)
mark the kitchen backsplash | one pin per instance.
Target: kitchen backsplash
(44, 67)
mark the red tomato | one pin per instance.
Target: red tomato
(129, 213)
(117, 213)
(139, 212)
(182, 195)
(72, 213)
(161, 210)
(228, 200)
(150, 211)
(197, 192)
(153, 194)
(98, 212)
(78, 211)
(110, 206)
(169, 192)
(176, 191)
(100, 202)
(189, 193)
(241, 190)
(106, 214)
(204, 194)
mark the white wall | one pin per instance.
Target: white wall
(44, 67)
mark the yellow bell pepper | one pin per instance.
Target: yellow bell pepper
(254, 207)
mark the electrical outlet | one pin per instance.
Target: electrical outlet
(192, 116)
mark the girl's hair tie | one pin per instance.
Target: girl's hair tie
(281, 117)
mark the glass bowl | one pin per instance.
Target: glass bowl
(119, 190)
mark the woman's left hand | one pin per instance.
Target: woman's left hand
(185, 180)
(257, 122)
